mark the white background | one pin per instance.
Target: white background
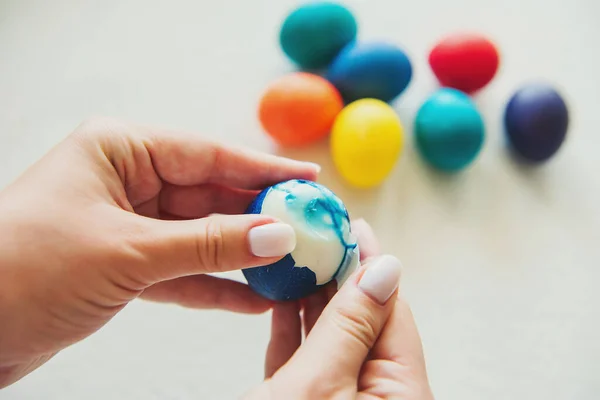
(502, 262)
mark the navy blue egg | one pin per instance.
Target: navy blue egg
(282, 280)
(536, 121)
(376, 70)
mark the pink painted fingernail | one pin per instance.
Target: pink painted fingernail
(272, 240)
(381, 278)
(316, 166)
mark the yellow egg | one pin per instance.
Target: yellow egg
(366, 141)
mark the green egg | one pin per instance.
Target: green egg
(313, 34)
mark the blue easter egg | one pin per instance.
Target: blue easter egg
(325, 249)
(449, 130)
(313, 34)
(376, 70)
(536, 120)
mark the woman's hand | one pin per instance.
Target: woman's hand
(363, 344)
(117, 212)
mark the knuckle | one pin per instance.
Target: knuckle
(102, 130)
(212, 160)
(210, 245)
(357, 322)
(95, 126)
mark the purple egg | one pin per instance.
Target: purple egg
(536, 120)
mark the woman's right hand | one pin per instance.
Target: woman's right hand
(364, 344)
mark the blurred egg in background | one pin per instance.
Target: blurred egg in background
(536, 121)
(379, 70)
(299, 109)
(464, 61)
(313, 34)
(366, 141)
(449, 130)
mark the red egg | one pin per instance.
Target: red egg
(465, 62)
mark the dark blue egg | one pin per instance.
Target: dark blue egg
(282, 280)
(536, 121)
(376, 70)
(325, 248)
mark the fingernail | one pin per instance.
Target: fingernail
(272, 240)
(316, 166)
(381, 278)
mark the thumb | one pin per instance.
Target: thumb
(348, 328)
(218, 243)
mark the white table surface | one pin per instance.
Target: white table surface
(502, 262)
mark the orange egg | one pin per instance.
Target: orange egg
(299, 109)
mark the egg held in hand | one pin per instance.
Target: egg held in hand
(325, 250)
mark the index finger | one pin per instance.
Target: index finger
(186, 159)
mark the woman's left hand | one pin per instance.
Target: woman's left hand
(117, 212)
(360, 343)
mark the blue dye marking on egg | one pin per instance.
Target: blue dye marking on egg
(318, 209)
(314, 214)
(375, 70)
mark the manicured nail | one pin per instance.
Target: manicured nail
(316, 166)
(272, 240)
(381, 278)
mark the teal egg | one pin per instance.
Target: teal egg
(313, 34)
(449, 130)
